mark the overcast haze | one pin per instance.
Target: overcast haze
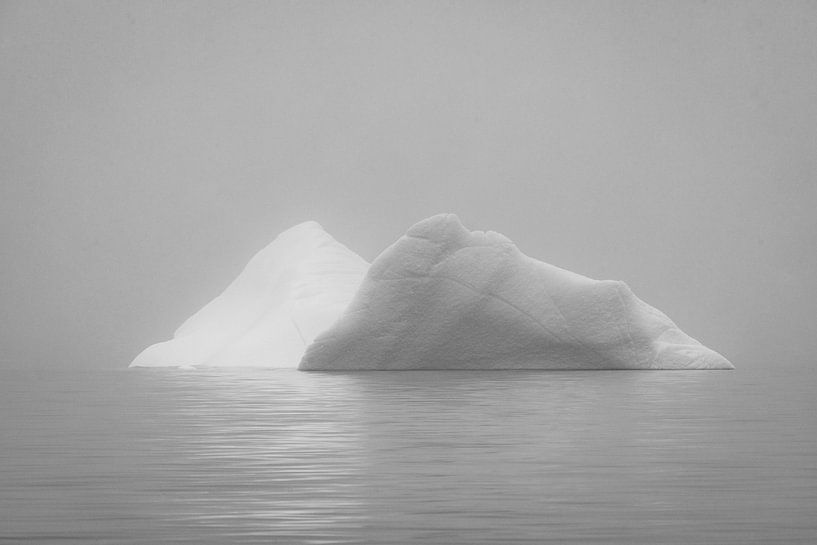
(150, 149)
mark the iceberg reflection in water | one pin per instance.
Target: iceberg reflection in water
(246, 456)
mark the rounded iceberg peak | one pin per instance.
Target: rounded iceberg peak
(441, 228)
(447, 229)
(288, 293)
(444, 297)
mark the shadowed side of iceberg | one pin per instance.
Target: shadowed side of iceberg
(288, 293)
(444, 297)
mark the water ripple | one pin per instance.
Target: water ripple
(255, 456)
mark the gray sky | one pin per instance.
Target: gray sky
(149, 149)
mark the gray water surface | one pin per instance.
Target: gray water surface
(279, 456)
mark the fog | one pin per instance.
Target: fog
(150, 149)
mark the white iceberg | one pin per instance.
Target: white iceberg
(443, 297)
(287, 294)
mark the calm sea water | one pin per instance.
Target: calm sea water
(278, 456)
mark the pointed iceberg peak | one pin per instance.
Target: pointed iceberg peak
(307, 234)
(305, 228)
(444, 297)
(288, 293)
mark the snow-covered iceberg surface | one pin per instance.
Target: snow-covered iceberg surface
(287, 294)
(443, 297)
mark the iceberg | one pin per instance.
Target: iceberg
(288, 293)
(444, 297)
